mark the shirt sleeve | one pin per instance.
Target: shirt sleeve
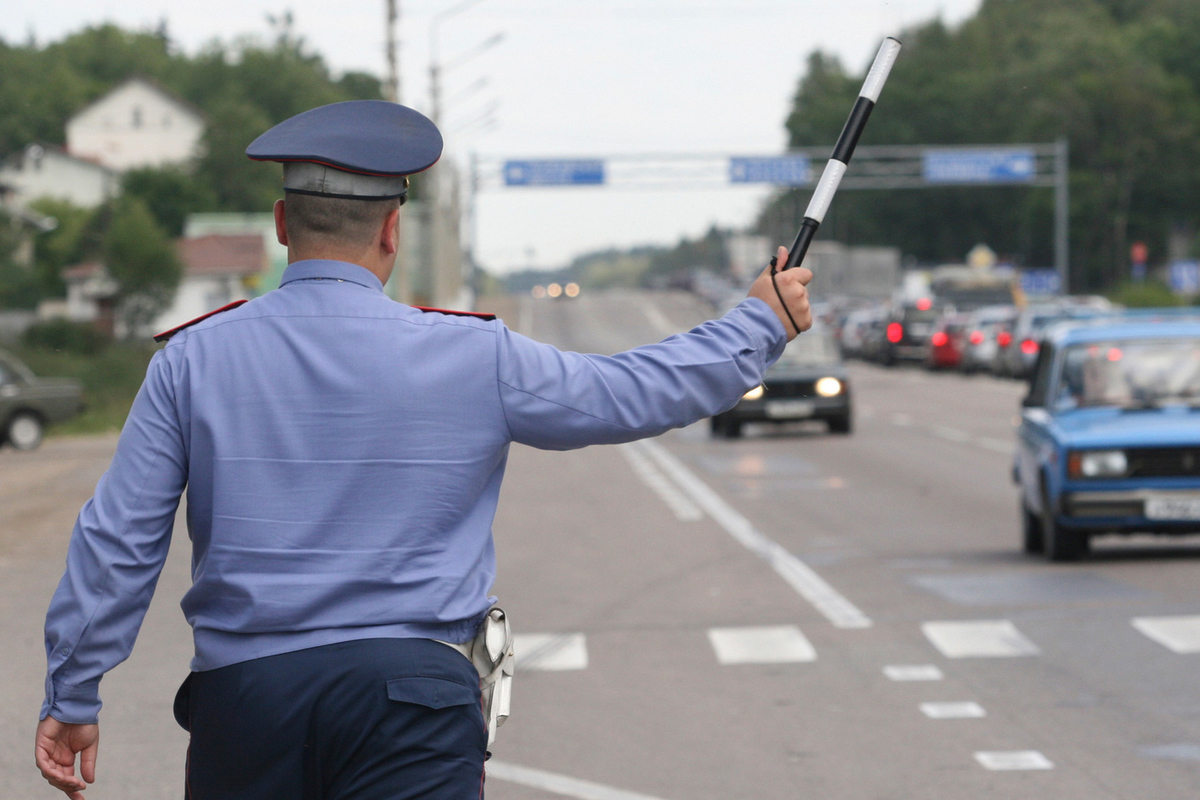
(559, 400)
(116, 553)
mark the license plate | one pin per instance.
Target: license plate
(1173, 507)
(790, 409)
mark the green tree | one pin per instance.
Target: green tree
(170, 193)
(61, 247)
(141, 259)
(1118, 78)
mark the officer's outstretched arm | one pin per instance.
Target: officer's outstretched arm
(560, 400)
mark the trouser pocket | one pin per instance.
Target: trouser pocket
(182, 706)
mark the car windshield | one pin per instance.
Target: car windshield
(1131, 373)
(808, 349)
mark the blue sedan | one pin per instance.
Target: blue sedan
(1110, 434)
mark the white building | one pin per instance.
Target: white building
(47, 171)
(137, 124)
(216, 271)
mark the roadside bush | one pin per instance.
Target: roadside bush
(1150, 294)
(63, 335)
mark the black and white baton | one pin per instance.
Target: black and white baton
(835, 168)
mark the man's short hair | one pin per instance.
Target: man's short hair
(316, 219)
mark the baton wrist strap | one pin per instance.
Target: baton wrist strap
(779, 294)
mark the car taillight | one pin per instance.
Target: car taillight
(976, 337)
(939, 339)
(1029, 347)
(895, 332)
(1004, 338)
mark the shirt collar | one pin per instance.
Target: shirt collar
(331, 270)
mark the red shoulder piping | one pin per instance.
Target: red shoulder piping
(477, 314)
(165, 335)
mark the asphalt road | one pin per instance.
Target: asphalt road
(736, 619)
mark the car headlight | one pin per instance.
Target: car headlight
(1097, 464)
(754, 393)
(829, 387)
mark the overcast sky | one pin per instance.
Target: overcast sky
(570, 78)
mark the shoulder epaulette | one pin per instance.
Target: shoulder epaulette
(165, 335)
(476, 314)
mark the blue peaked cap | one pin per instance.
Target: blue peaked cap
(371, 138)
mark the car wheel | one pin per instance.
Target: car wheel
(1059, 544)
(24, 431)
(732, 429)
(1031, 530)
(840, 424)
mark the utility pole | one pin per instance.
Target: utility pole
(391, 90)
(401, 282)
(1062, 215)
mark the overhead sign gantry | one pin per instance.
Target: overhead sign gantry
(874, 167)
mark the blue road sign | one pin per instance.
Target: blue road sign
(780, 170)
(1039, 282)
(1184, 277)
(993, 165)
(554, 172)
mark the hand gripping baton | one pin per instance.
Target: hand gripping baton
(835, 168)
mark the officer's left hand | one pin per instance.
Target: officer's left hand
(793, 287)
(55, 747)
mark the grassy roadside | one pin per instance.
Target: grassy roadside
(110, 381)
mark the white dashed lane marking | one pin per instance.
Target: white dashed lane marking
(1178, 634)
(955, 435)
(683, 508)
(801, 577)
(913, 672)
(550, 652)
(1013, 760)
(978, 639)
(779, 644)
(558, 784)
(955, 710)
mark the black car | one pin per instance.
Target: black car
(907, 332)
(808, 381)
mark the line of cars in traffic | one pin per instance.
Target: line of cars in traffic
(1001, 339)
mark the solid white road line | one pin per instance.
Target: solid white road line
(1179, 634)
(913, 672)
(558, 784)
(683, 508)
(996, 445)
(550, 652)
(657, 318)
(525, 317)
(978, 639)
(777, 644)
(957, 710)
(811, 586)
(1013, 759)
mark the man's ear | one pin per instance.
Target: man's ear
(389, 237)
(281, 223)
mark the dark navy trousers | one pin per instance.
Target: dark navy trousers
(368, 720)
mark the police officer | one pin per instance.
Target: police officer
(342, 456)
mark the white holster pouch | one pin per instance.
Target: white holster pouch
(491, 651)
